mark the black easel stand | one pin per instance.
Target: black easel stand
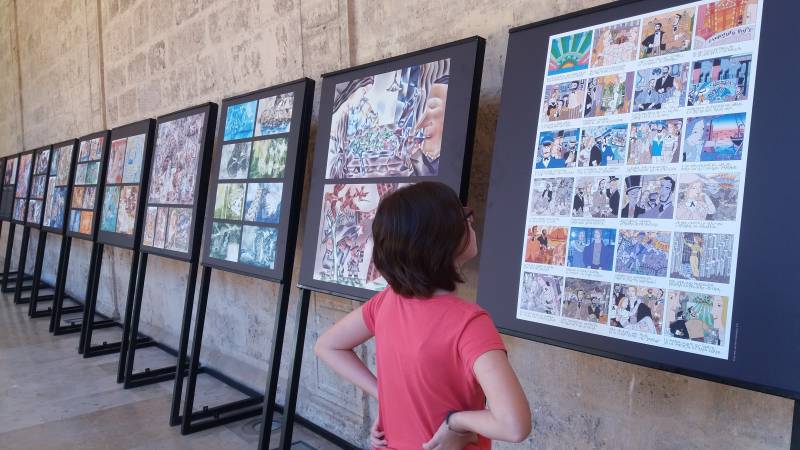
(38, 284)
(795, 445)
(58, 305)
(289, 407)
(252, 406)
(127, 358)
(90, 311)
(10, 276)
(20, 285)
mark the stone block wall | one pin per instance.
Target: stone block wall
(71, 67)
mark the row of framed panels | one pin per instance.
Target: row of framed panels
(582, 94)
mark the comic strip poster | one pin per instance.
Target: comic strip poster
(639, 167)
(390, 124)
(55, 204)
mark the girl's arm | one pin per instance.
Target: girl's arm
(508, 417)
(335, 347)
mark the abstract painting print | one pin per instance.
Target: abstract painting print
(274, 114)
(344, 243)
(175, 161)
(390, 124)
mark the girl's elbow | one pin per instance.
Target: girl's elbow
(520, 431)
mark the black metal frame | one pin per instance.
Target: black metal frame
(10, 276)
(58, 309)
(131, 332)
(255, 403)
(35, 298)
(131, 242)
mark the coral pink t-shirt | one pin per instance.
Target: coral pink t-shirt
(425, 350)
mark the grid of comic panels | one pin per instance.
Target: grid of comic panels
(57, 187)
(250, 181)
(84, 186)
(633, 217)
(9, 183)
(41, 168)
(121, 194)
(173, 178)
(383, 126)
(23, 183)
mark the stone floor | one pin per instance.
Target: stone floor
(52, 398)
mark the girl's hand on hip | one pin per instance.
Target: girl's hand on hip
(376, 435)
(447, 439)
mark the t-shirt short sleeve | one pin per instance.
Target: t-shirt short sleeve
(479, 336)
(369, 310)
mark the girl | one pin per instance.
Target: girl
(444, 380)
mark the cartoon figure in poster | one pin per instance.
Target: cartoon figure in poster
(633, 195)
(643, 252)
(714, 138)
(661, 88)
(596, 253)
(391, 124)
(597, 197)
(546, 245)
(564, 101)
(541, 293)
(698, 317)
(615, 44)
(667, 33)
(586, 300)
(650, 197)
(655, 142)
(603, 145)
(702, 257)
(720, 80)
(557, 149)
(708, 196)
(608, 95)
(637, 308)
(551, 196)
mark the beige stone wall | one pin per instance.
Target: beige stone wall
(84, 65)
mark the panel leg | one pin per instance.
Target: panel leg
(278, 331)
(61, 284)
(126, 324)
(9, 251)
(130, 356)
(194, 363)
(37, 272)
(795, 445)
(91, 298)
(294, 379)
(180, 368)
(23, 259)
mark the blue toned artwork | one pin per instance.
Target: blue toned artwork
(240, 121)
(263, 202)
(259, 246)
(592, 248)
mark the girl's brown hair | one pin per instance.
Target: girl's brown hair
(418, 232)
